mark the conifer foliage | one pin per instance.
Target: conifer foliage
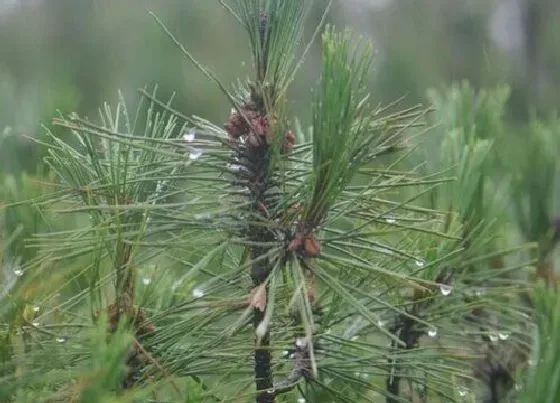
(255, 260)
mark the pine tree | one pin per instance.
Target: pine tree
(256, 260)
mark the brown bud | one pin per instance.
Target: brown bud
(289, 141)
(295, 244)
(312, 246)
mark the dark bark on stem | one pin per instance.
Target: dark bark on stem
(409, 332)
(263, 372)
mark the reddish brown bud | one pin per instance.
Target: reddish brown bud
(296, 244)
(312, 246)
(294, 208)
(236, 125)
(260, 126)
(289, 141)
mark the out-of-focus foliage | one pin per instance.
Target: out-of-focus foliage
(431, 261)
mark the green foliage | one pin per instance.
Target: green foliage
(543, 380)
(342, 138)
(274, 29)
(535, 187)
(215, 257)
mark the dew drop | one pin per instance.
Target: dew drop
(189, 136)
(146, 281)
(197, 293)
(493, 336)
(518, 387)
(195, 154)
(285, 353)
(202, 216)
(420, 263)
(432, 332)
(390, 220)
(36, 324)
(503, 335)
(36, 308)
(301, 400)
(18, 272)
(381, 323)
(479, 292)
(234, 167)
(354, 338)
(62, 339)
(300, 342)
(445, 289)
(463, 392)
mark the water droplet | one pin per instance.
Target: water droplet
(381, 323)
(480, 292)
(390, 220)
(36, 308)
(301, 400)
(285, 353)
(291, 356)
(271, 391)
(202, 216)
(234, 167)
(62, 339)
(503, 335)
(146, 281)
(531, 362)
(197, 293)
(420, 263)
(18, 272)
(195, 154)
(300, 342)
(463, 392)
(189, 135)
(364, 375)
(36, 324)
(354, 338)
(518, 387)
(328, 331)
(432, 332)
(493, 336)
(445, 289)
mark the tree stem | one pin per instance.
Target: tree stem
(263, 369)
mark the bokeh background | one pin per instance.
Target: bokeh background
(61, 56)
(72, 55)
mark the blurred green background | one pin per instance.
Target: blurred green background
(74, 55)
